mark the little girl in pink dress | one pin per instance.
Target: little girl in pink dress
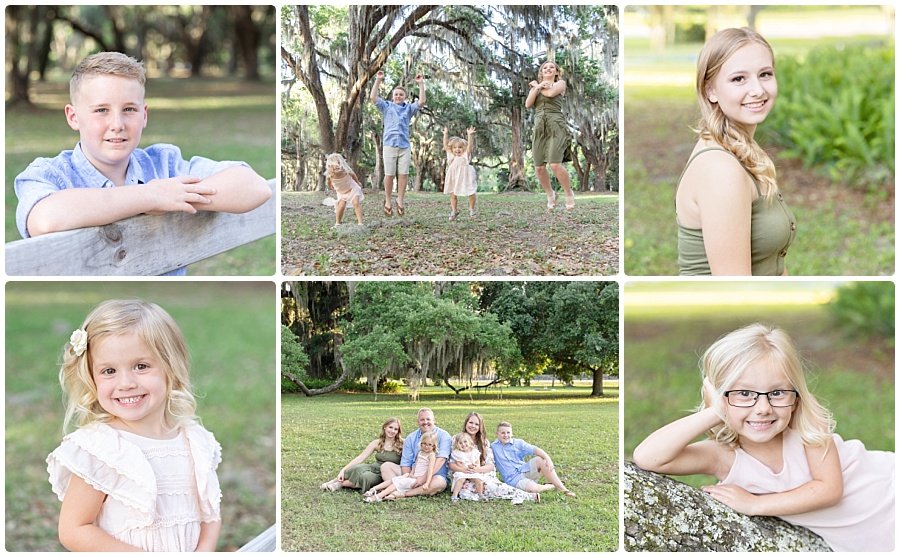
(345, 184)
(773, 449)
(460, 177)
(420, 475)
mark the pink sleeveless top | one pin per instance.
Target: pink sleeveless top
(864, 518)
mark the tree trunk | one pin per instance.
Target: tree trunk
(17, 75)
(324, 390)
(662, 514)
(517, 154)
(597, 386)
(246, 37)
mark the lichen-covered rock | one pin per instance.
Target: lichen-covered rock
(662, 514)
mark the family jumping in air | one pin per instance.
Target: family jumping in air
(772, 446)
(429, 460)
(551, 146)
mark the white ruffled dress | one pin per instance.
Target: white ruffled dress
(159, 490)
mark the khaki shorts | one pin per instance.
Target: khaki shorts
(532, 476)
(396, 161)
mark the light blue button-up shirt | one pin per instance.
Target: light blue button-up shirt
(72, 169)
(509, 459)
(396, 121)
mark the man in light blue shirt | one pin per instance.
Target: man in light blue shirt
(509, 459)
(390, 470)
(91, 185)
(396, 148)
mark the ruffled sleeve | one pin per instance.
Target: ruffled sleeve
(207, 454)
(106, 462)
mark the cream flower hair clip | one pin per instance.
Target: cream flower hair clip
(78, 341)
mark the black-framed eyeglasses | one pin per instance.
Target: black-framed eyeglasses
(778, 398)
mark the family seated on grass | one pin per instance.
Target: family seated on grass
(419, 464)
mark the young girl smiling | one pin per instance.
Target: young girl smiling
(771, 446)
(139, 473)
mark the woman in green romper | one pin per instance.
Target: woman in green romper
(551, 135)
(731, 217)
(357, 475)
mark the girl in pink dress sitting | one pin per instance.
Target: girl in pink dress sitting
(460, 177)
(345, 184)
(772, 446)
(420, 475)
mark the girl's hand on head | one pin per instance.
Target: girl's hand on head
(735, 497)
(712, 398)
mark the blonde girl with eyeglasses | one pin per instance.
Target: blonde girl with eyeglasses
(772, 446)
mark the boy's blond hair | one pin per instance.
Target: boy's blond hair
(106, 63)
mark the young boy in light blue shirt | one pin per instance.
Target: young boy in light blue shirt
(83, 187)
(397, 116)
(509, 459)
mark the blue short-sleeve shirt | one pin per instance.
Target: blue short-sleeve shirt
(396, 121)
(509, 459)
(72, 169)
(411, 449)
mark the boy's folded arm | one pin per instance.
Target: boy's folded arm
(238, 189)
(69, 209)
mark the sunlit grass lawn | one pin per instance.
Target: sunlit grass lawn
(230, 331)
(852, 377)
(220, 119)
(321, 434)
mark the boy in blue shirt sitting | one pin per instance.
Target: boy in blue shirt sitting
(509, 459)
(397, 116)
(82, 187)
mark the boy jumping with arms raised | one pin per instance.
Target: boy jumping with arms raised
(397, 115)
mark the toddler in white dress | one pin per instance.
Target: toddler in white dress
(465, 454)
(139, 473)
(460, 177)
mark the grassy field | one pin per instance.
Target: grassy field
(321, 434)
(230, 331)
(512, 235)
(215, 118)
(856, 230)
(854, 378)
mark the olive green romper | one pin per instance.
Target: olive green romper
(772, 229)
(367, 475)
(551, 136)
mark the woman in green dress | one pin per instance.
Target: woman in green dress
(551, 133)
(386, 448)
(731, 216)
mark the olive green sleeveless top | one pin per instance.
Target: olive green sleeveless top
(772, 229)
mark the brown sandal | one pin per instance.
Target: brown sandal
(388, 210)
(401, 210)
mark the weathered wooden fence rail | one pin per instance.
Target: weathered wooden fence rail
(264, 542)
(141, 245)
